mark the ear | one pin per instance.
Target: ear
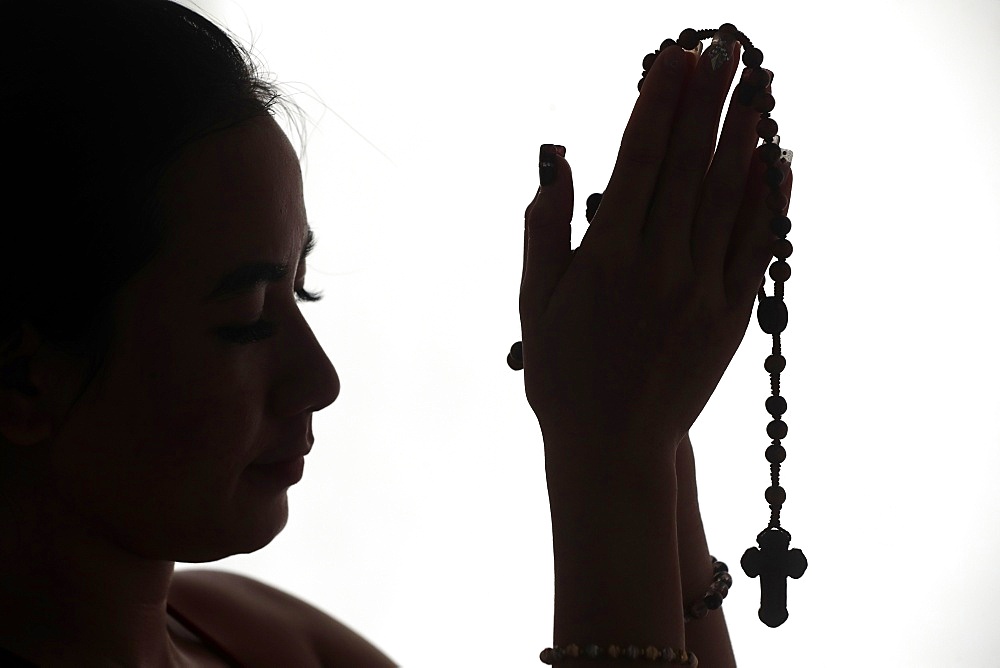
(24, 419)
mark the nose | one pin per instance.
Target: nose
(308, 381)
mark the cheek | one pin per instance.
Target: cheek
(192, 387)
(194, 409)
(165, 442)
(173, 406)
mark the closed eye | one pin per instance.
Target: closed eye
(262, 329)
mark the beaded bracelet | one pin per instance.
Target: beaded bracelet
(677, 657)
(717, 591)
(712, 600)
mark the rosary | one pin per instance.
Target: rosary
(771, 560)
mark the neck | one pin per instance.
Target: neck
(72, 596)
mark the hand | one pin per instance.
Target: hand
(631, 334)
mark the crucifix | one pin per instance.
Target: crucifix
(774, 563)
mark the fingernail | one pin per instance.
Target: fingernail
(547, 162)
(721, 51)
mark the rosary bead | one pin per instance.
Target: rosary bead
(648, 61)
(780, 225)
(753, 57)
(572, 650)
(719, 567)
(776, 405)
(780, 271)
(770, 153)
(757, 78)
(515, 360)
(688, 38)
(767, 128)
(775, 496)
(773, 176)
(593, 202)
(763, 102)
(776, 201)
(726, 580)
(668, 654)
(614, 651)
(631, 652)
(777, 429)
(667, 43)
(782, 249)
(639, 85)
(591, 651)
(651, 653)
(728, 28)
(774, 363)
(713, 601)
(775, 454)
(772, 315)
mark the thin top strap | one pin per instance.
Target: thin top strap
(206, 639)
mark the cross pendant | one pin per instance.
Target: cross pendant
(774, 563)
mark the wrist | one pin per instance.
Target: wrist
(614, 539)
(695, 558)
(619, 457)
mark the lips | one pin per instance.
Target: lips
(277, 475)
(283, 457)
(286, 455)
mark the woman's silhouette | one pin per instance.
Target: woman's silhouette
(157, 380)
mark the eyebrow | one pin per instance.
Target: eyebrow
(250, 276)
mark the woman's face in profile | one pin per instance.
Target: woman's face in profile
(184, 446)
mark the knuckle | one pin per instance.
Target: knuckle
(641, 154)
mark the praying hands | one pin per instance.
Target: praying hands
(625, 339)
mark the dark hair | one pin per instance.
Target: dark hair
(96, 98)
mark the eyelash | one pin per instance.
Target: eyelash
(303, 295)
(260, 330)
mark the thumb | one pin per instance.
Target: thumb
(547, 232)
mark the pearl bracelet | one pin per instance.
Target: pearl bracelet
(677, 657)
(717, 591)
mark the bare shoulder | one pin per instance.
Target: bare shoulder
(263, 625)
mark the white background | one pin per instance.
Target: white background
(422, 520)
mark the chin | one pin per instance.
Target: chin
(247, 533)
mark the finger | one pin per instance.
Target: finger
(723, 189)
(644, 145)
(753, 240)
(692, 143)
(547, 233)
(527, 212)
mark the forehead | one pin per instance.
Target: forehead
(235, 195)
